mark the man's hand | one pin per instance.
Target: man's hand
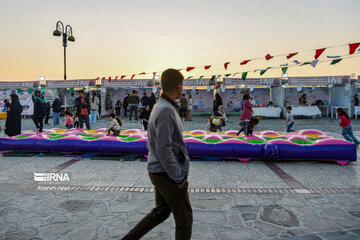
(182, 185)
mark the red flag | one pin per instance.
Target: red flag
(244, 62)
(318, 52)
(226, 65)
(103, 78)
(353, 47)
(291, 55)
(268, 57)
(116, 77)
(188, 69)
(143, 73)
(207, 67)
(97, 78)
(109, 79)
(180, 69)
(132, 77)
(154, 73)
(123, 76)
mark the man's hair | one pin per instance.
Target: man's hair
(81, 91)
(183, 94)
(288, 108)
(246, 97)
(170, 79)
(134, 91)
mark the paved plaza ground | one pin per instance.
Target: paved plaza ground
(231, 200)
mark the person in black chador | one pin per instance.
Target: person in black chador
(13, 120)
(39, 111)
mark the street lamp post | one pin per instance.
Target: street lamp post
(67, 34)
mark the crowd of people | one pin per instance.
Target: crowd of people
(84, 110)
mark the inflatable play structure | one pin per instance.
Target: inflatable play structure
(266, 145)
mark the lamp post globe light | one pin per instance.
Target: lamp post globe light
(67, 35)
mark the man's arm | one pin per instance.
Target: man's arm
(164, 127)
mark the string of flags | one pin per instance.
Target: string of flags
(318, 52)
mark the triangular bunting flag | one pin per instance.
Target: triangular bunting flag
(103, 78)
(244, 75)
(318, 52)
(207, 67)
(314, 62)
(212, 77)
(333, 62)
(353, 47)
(109, 79)
(188, 69)
(305, 63)
(284, 65)
(189, 77)
(201, 77)
(97, 78)
(284, 69)
(132, 77)
(244, 62)
(263, 71)
(268, 57)
(226, 65)
(123, 76)
(154, 73)
(296, 62)
(333, 56)
(143, 73)
(226, 75)
(256, 70)
(235, 74)
(116, 77)
(291, 55)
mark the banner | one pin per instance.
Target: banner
(24, 98)
(252, 81)
(134, 83)
(14, 85)
(70, 83)
(200, 82)
(322, 80)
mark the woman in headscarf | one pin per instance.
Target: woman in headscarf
(13, 120)
(39, 110)
(217, 102)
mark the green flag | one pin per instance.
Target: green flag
(189, 77)
(335, 61)
(305, 63)
(226, 75)
(284, 70)
(71, 90)
(212, 77)
(42, 90)
(201, 77)
(243, 76)
(18, 90)
(263, 71)
(29, 90)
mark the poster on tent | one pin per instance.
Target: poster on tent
(325, 80)
(15, 85)
(232, 97)
(24, 98)
(292, 95)
(202, 100)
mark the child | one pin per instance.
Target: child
(115, 125)
(214, 124)
(248, 127)
(289, 119)
(246, 114)
(76, 119)
(69, 121)
(345, 124)
(144, 116)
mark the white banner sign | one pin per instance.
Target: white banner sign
(134, 83)
(14, 85)
(200, 82)
(70, 83)
(252, 81)
(325, 80)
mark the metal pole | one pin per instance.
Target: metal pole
(64, 62)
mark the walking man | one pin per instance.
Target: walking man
(83, 109)
(133, 101)
(168, 163)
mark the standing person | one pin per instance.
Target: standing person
(126, 104)
(134, 100)
(144, 100)
(302, 100)
(114, 126)
(152, 101)
(69, 120)
(72, 102)
(183, 107)
(118, 107)
(289, 119)
(222, 115)
(356, 100)
(168, 163)
(6, 105)
(83, 110)
(217, 103)
(56, 111)
(47, 109)
(144, 116)
(189, 108)
(246, 114)
(13, 120)
(39, 110)
(94, 107)
(345, 123)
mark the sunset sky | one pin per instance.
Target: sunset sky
(116, 37)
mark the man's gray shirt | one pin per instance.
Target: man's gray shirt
(167, 150)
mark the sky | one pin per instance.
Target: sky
(117, 37)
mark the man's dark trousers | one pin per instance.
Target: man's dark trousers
(169, 198)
